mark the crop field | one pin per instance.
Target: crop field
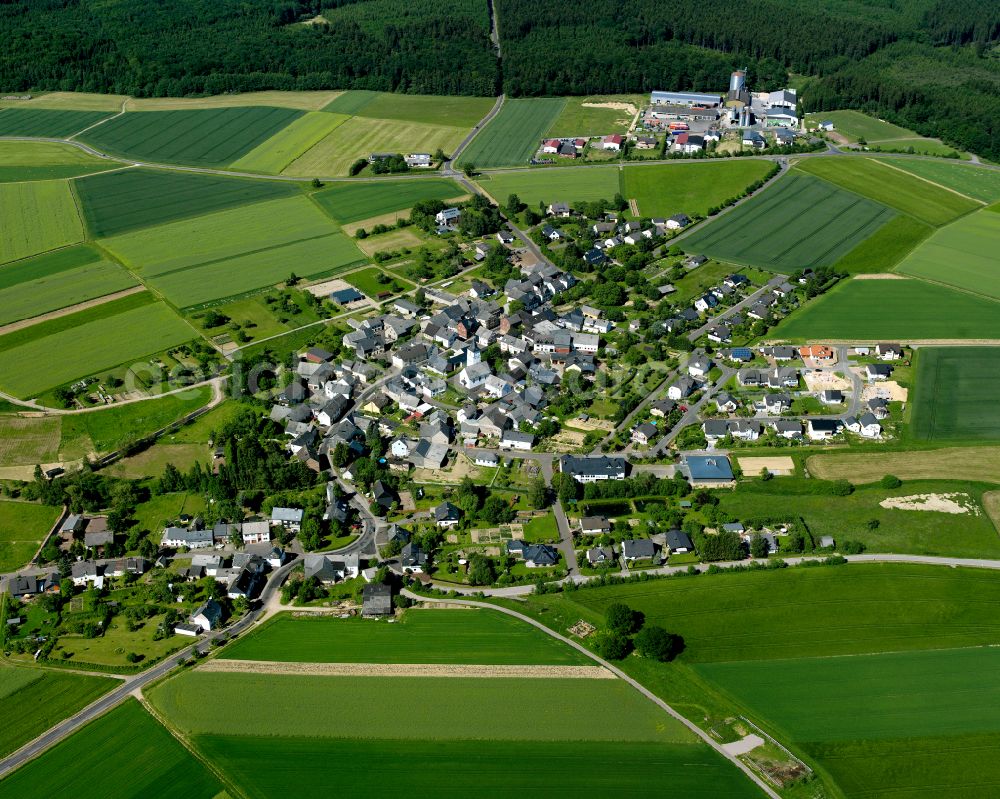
(231, 277)
(137, 198)
(963, 254)
(56, 280)
(513, 135)
(87, 348)
(534, 186)
(350, 102)
(46, 123)
(303, 101)
(274, 154)
(955, 393)
(959, 463)
(590, 116)
(916, 724)
(972, 181)
(35, 700)
(881, 181)
(220, 235)
(846, 610)
(886, 247)
(423, 636)
(75, 101)
(123, 754)
(360, 136)
(668, 189)
(801, 221)
(968, 535)
(22, 528)
(21, 160)
(912, 310)
(369, 707)
(856, 125)
(205, 137)
(353, 202)
(27, 441)
(35, 217)
(457, 769)
(456, 112)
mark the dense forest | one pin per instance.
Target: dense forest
(932, 65)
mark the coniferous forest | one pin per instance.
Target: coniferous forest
(932, 65)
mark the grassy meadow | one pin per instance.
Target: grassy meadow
(35, 217)
(955, 394)
(886, 247)
(959, 463)
(23, 526)
(513, 135)
(124, 754)
(22, 160)
(857, 125)
(353, 202)
(668, 189)
(274, 154)
(872, 310)
(584, 116)
(963, 255)
(203, 137)
(302, 101)
(534, 186)
(422, 636)
(799, 221)
(976, 182)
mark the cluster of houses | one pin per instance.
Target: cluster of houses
(198, 536)
(632, 551)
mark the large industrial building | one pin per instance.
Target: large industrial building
(688, 99)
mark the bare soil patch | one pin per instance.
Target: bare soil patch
(823, 381)
(955, 502)
(590, 424)
(781, 464)
(879, 275)
(886, 389)
(409, 670)
(991, 504)
(81, 306)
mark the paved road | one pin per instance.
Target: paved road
(694, 728)
(135, 683)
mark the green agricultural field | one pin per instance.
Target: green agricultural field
(231, 277)
(28, 441)
(22, 160)
(856, 125)
(35, 217)
(800, 221)
(886, 247)
(23, 526)
(203, 137)
(423, 636)
(47, 265)
(124, 754)
(513, 136)
(880, 723)
(276, 153)
(954, 397)
(668, 189)
(369, 707)
(136, 198)
(87, 348)
(909, 531)
(74, 101)
(459, 769)
(165, 509)
(353, 202)
(46, 123)
(35, 700)
(963, 254)
(60, 289)
(307, 100)
(838, 610)
(367, 282)
(536, 186)
(972, 181)
(456, 111)
(873, 310)
(879, 180)
(221, 235)
(350, 102)
(585, 116)
(358, 137)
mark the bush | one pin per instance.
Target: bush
(612, 645)
(852, 547)
(890, 481)
(622, 619)
(656, 643)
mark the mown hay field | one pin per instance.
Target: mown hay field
(125, 753)
(879, 180)
(911, 310)
(276, 153)
(35, 700)
(136, 198)
(958, 463)
(534, 186)
(800, 221)
(955, 397)
(22, 160)
(303, 101)
(668, 189)
(515, 134)
(963, 255)
(422, 636)
(972, 181)
(353, 202)
(203, 137)
(28, 367)
(35, 217)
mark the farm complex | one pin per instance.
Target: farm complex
(611, 444)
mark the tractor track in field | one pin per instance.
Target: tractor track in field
(461, 670)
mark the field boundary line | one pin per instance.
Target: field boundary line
(100, 122)
(21, 324)
(926, 180)
(430, 670)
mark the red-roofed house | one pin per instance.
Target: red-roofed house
(551, 146)
(613, 142)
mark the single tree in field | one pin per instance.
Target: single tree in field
(656, 643)
(621, 619)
